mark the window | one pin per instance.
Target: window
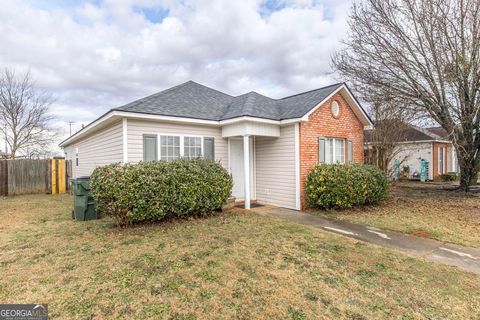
(169, 148)
(441, 160)
(150, 148)
(192, 147)
(331, 150)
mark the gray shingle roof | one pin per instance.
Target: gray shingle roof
(439, 131)
(413, 133)
(193, 100)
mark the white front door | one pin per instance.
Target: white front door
(236, 168)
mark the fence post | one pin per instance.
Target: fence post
(3, 178)
(54, 177)
(61, 172)
(68, 175)
(48, 176)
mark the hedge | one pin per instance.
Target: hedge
(344, 186)
(449, 176)
(155, 191)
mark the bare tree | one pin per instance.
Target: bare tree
(24, 117)
(391, 125)
(426, 54)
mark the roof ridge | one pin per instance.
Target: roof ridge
(297, 94)
(254, 92)
(197, 83)
(153, 95)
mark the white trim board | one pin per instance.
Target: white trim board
(125, 139)
(298, 204)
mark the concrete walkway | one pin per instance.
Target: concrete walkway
(466, 258)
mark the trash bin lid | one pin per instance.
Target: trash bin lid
(84, 185)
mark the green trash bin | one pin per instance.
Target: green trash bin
(83, 203)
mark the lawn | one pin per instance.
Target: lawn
(237, 266)
(430, 210)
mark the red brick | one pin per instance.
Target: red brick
(321, 123)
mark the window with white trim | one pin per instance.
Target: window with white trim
(331, 150)
(441, 160)
(192, 147)
(169, 148)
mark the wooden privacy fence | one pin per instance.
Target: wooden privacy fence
(27, 176)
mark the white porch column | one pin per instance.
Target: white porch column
(246, 167)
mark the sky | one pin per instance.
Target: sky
(99, 54)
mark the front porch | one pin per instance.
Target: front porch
(263, 161)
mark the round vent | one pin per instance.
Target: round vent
(335, 109)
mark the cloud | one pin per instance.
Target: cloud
(95, 55)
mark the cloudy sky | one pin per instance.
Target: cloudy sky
(95, 55)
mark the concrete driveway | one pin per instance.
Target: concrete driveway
(466, 258)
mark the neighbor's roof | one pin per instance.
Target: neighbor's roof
(193, 100)
(413, 133)
(439, 131)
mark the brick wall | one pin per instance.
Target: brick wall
(322, 123)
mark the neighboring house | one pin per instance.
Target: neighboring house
(268, 145)
(429, 144)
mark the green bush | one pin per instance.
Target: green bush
(449, 176)
(344, 186)
(155, 191)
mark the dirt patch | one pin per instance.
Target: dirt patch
(421, 233)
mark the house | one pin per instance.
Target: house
(268, 145)
(417, 144)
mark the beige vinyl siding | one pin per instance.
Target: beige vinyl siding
(69, 152)
(275, 168)
(137, 128)
(100, 148)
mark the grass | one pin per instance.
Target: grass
(422, 209)
(226, 267)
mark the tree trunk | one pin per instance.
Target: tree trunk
(469, 163)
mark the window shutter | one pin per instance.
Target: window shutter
(350, 151)
(321, 150)
(209, 148)
(150, 148)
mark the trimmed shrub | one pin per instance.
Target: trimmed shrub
(449, 176)
(155, 191)
(344, 186)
